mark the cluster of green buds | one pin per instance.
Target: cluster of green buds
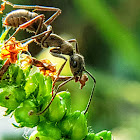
(25, 93)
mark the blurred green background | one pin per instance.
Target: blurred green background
(108, 33)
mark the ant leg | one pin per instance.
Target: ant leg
(62, 78)
(49, 28)
(26, 24)
(76, 44)
(53, 17)
(45, 35)
(34, 37)
(62, 84)
(55, 52)
(38, 8)
(89, 102)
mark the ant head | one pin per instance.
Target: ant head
(77, 64)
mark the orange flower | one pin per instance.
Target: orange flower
(49, 69)
(2, 7)
(45, 65)
(11, 49)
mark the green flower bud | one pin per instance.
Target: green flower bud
(49, 129)
(74, 126)
(11, 97)
(37, 136)
(67, 99)
(79, 130)
(41, 84)
(92, 136)
(106, 135)
(57, 109)
(26, 114)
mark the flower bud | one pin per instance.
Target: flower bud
(106, 135)
(74, 126)
(57, 109)
(11, 97)
(49, 129)
(26, 114)
(37, 136)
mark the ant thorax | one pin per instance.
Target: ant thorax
(60, 45)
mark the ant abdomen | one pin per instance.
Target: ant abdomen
(19, 17)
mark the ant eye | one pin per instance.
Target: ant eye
(74, 64)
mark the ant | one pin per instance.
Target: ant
(77, 64)
(46, 39)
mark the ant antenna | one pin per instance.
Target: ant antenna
(91, 92)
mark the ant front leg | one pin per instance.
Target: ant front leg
(25, 25)
(55, 52)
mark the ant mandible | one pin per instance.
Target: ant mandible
(47, 39)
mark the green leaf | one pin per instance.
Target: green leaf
(48, 83)
(2, 37)
(20, 77)
(43, 87)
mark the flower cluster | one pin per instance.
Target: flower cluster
(26, 93)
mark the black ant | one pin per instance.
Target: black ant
(47, 39)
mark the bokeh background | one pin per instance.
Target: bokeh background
(108, 33)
